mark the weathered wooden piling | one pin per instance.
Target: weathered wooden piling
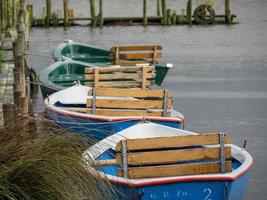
(9, 13)
(66, 14)
(92, 9)
(174, 18)
(8, 114)
(30, 14)
(228, 16)
(3, 17)
(100, 16)
(164, 12)
(169, 19)
(48, 12)
(14, 14)
(158, 7)
(19, 71)
(189, 12)
(145, 12)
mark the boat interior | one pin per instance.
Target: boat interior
(169, 156)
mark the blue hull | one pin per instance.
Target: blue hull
(205, 190)
(97, 129)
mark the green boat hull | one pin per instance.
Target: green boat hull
(98, 57)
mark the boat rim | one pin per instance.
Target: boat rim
(56, 54)
(67, 113)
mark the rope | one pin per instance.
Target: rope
(35, 54)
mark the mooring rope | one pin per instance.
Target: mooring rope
(35, 54)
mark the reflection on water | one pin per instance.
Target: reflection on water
(219, 79)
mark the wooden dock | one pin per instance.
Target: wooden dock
(6, 76)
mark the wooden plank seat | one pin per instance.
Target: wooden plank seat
(136, 54)
(174, 156)
(131, 77)
(129, 102)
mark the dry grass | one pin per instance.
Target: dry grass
(46, 163)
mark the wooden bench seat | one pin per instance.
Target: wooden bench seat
(136, 54)
(121, 77)
(129, 102)
(174, 156)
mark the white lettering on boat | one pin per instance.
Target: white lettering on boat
(209, 192)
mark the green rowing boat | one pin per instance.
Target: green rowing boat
(72, 59)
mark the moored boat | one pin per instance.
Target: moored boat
(62, 74)
(100, 112)
(150, 161)
(118, 55)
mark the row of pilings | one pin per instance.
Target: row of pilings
(15, 25)
(164, 15)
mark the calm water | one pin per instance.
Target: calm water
(219, 77)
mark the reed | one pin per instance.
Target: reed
(46, 163)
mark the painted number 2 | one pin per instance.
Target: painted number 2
(208, 191)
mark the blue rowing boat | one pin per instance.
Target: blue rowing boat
(128, 169)
(99, 116)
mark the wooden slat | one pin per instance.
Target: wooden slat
(124, 113)
(138, 93)
(136, 56)
(119, 76)
(175, 170)
(175, 141)
(173, 156)
(137, 48)
(110, 162)
(134, 104)
(134, 62)
(120, 69)
(122, 84)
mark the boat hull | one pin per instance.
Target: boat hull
(196, 190)
(99, 129)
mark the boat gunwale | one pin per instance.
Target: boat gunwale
(67, 113)
(57, 52)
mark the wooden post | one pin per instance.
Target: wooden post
(14, 14)
(19, 78)
(189, 12)
(3, 17)
(101, 20)
(30, 14)
(48, 12)
(92, 9)
(66, 16)
(164, 12)
(174, 18)
(8, 114)
(158, 7)
(144, 12)
(228, 19)
(169, 19)
(5, 13)
(8, 13)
